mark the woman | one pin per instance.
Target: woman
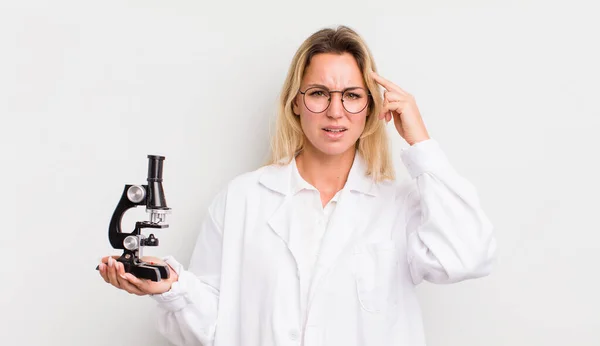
(322, 247)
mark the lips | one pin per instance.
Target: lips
(335, 129)
(334, 133)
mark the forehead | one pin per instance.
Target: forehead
(335, 71)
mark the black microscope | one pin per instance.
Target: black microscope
(153, 197)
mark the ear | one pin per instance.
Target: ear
(295, 107)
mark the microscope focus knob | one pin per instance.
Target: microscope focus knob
(131, 243)
(150, 241)
(136, 193)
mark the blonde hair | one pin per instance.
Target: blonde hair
(288, 139)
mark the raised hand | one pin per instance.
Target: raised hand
(403, 107)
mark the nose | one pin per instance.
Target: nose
(336, 108)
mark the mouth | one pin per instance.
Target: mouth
(335, 129)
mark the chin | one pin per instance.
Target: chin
(334, 149)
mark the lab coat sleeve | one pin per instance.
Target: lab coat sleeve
(187, 314)
(449, 237)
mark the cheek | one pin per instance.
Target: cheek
(308, 122)
(359, 123)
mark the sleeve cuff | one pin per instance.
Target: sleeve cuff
(424, 156)
(177, 297)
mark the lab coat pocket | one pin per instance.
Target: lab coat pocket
(376, 274)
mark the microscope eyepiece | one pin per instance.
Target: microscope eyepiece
(156, 195)
(155, 167)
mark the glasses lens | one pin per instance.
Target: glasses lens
(316, 99)
(355, 100)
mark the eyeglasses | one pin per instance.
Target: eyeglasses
(318, 99)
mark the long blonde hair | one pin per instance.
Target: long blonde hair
(288, 139)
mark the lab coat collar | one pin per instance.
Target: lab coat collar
(280, 178)
(297, 183)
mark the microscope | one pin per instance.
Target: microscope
(153, 197)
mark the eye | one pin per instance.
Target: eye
(319, 93)
(352, 95)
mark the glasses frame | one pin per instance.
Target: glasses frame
(333, 92)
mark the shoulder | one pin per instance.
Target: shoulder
(235, 190)
(399, 189)
(251, 180)
(245, 184)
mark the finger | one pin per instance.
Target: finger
(129, 287)
(388, 107)
(392, 96)
(141, 285)
(105, 259)
(383, 82)
(124, 283)
(385, 109)
(385, 116)
(112, 272)
(397, 106)
(382, 113)
(386, 83)
(102, 270)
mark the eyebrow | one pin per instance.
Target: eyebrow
(326, 88)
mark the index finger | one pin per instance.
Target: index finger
(105, 258)
(385, 83)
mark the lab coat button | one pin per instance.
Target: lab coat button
(294, 335)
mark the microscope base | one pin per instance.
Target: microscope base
(144, 270)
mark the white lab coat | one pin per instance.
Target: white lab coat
(241, 287)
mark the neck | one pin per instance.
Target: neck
(326, 173)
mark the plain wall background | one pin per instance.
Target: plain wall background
(88, 89)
